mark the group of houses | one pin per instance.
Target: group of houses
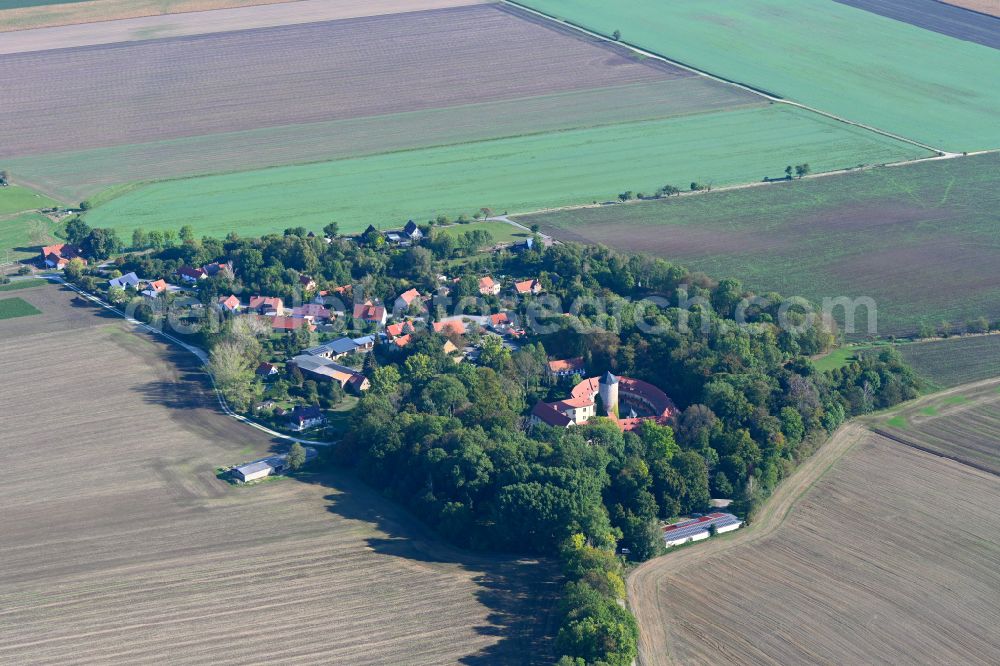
(606, 395)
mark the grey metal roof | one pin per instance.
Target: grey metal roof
(695, 526)
(341, 346)
(366, 340)
(129, 279)
(254, 467)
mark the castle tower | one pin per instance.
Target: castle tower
(607, 388)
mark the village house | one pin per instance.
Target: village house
(567, 367)
(412, 231)
(449, 327)
(302, 418)
(326, 369)
(267, 305)
(159, 287)
(307, 283)
(219, 268)
(399, 329)
(501, 322)
(488, 286)
(57, 256)
(230, 303)
(266, 369)
(525, 287)
(312, 312)
(404, 301)
(191, 275)
(370, 313)
(129, 280)
(402, 340)
(282, 323)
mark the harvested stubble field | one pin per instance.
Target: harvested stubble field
(77, 175)
(955, 361)
(923, 240)
(962, 424)
(28, 14)
(120, 546)
(197, 22)
(186, 86)
(937, 16)
(890, 557)
(885, 73)
(991, 7)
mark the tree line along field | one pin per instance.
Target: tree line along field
(962, 424)
(119, 543)
(888, 558)
(923, 240)
(513, 174)
(885, 73)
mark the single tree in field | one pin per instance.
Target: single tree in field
(802, 170)
(616, 35)
(486, 212)
(4, 178)
(788, 171)
(535, 228)
(296, 457)
(331, 230)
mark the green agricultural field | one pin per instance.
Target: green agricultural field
(514, 174)
(955, 361)
(22, 284)
(21, 233)
(17, 307)
(923, 240)
(16, 199)
(78, 175)
(903, 79)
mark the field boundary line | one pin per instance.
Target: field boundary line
(715, 77)
(198, 352)
(961, 461)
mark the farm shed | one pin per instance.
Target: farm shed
(699, 528)
(259, 469)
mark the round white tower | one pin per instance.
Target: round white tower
(607, 388)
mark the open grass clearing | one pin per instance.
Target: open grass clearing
(77, 175)
(849, 575)
(501, 231)
(118, 527)
(963, 425)
(846, 61)
(922, 240)
(515, 174)
(17, 199)
(11, 308)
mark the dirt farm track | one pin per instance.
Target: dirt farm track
(872, 552)
(119, 545)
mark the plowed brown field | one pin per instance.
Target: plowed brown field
(119, 545)
(890, 556)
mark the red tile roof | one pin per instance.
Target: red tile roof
(451, 326)
(550, 415)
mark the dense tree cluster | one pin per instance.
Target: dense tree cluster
(453, 441)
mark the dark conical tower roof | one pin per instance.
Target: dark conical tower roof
(609, 378)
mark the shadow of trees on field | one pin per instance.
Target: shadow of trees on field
(520, 594)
